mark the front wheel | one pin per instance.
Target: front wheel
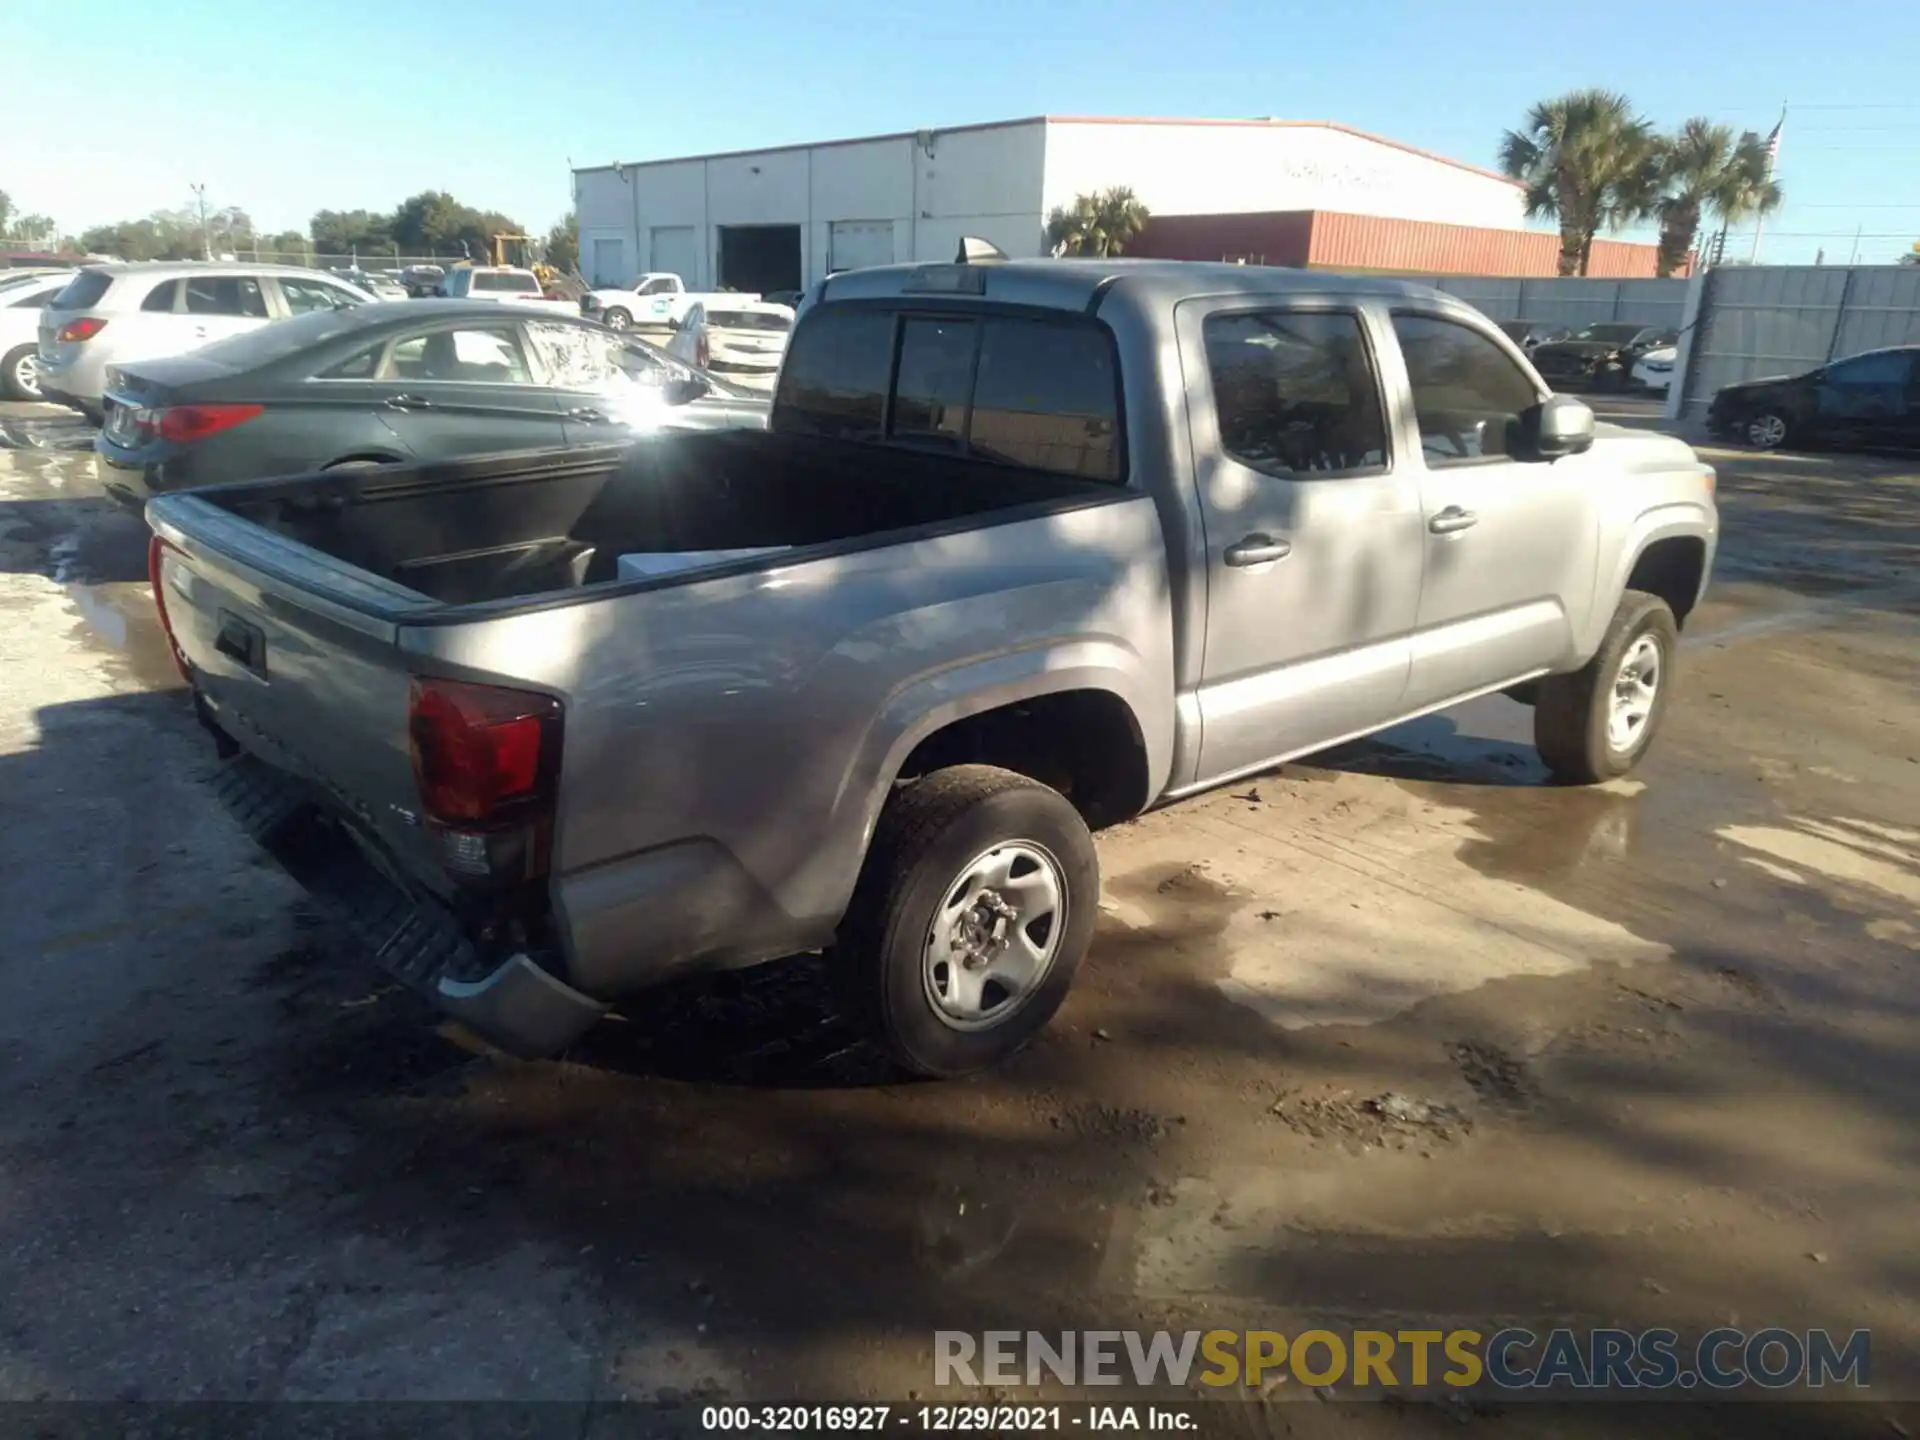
(1596, 723)
(976, 903)
(20, 373)
(616, 319)
(1768, 430)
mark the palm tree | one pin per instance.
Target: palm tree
(1102, 223)
(1588, 162)
(1706, 170)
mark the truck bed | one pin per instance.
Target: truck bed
(546, 523)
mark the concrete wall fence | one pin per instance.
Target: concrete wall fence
(1575, 301)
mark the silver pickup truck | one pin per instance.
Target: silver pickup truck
(1028, 548)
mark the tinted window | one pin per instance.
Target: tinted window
(305, 296)
(507, 284)
(1295, 393)
(1467, 395)
(163, 299)
(935, 376)
(1044, 397)
(1610, 334)
(834, 381)
(659, 285)
(577, 357)
(767, 320)
(270, 343)
(226, 295)
(474, 355)
(1889, 367)
(83, 291)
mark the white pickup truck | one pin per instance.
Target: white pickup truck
(499, 282)
(657, 298)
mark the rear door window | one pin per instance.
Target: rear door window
(83, 292)
(304, 297)
(236, 295)
(163, 299)
(1295, 393)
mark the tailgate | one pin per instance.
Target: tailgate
(295, 656)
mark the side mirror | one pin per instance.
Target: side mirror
(685, 390)
(1559, 425)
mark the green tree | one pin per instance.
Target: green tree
(6, 212)
(342, 232)
(1705, 169)
(1102, 223)
(563, 245)
(1587, 162)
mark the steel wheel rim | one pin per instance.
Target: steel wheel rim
(1767, 431)
(1636, 685)
(26, 373)
(995, 935)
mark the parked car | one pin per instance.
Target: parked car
(1654, 369)
(501, 284)
(21, 301)
(1870, 401)
(1530, 335)
(386, 383)
(742, 340)
(113, 314)
(657, 299)
(1598, 356)
(1027, 548)
(422, 280)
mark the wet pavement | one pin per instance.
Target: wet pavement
(1401, 1037)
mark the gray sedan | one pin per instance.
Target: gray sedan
(377, 384)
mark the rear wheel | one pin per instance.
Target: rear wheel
(20, 373)
(616, 318)
(976, 904)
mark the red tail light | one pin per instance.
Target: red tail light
(156, 555)
(703, 352)
(84, 328)
(487, 762)
(183, 424)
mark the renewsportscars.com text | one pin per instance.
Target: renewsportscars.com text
(1511, 1359)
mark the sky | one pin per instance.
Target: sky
(335, 106)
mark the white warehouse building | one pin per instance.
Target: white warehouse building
(778, 219)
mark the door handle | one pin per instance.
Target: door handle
(1258, 549)
(587, 414)
(409, 402)
(1452, 520)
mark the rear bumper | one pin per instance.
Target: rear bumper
(511, 1003)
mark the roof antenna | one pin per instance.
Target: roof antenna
(975, 251)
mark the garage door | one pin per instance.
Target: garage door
(855, 244)
(610, 262)
(677, 252)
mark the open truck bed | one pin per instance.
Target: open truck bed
(533, 785)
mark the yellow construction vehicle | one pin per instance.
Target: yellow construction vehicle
(518, 251)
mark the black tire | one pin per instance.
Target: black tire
(1767, 429)
(1570, 712)
(616, 318)
(10, 385)
(1526, 692)
(927, 834)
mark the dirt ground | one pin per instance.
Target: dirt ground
(1399, 1038)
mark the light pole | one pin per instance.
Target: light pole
(206, 237)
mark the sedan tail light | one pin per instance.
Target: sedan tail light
(157, 550)
(703, 351)
(183, 424)
(85, 328)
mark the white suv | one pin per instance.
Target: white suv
(110, 314)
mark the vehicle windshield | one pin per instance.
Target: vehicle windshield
(769, 320)
(270, 343)
(1611, 334)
